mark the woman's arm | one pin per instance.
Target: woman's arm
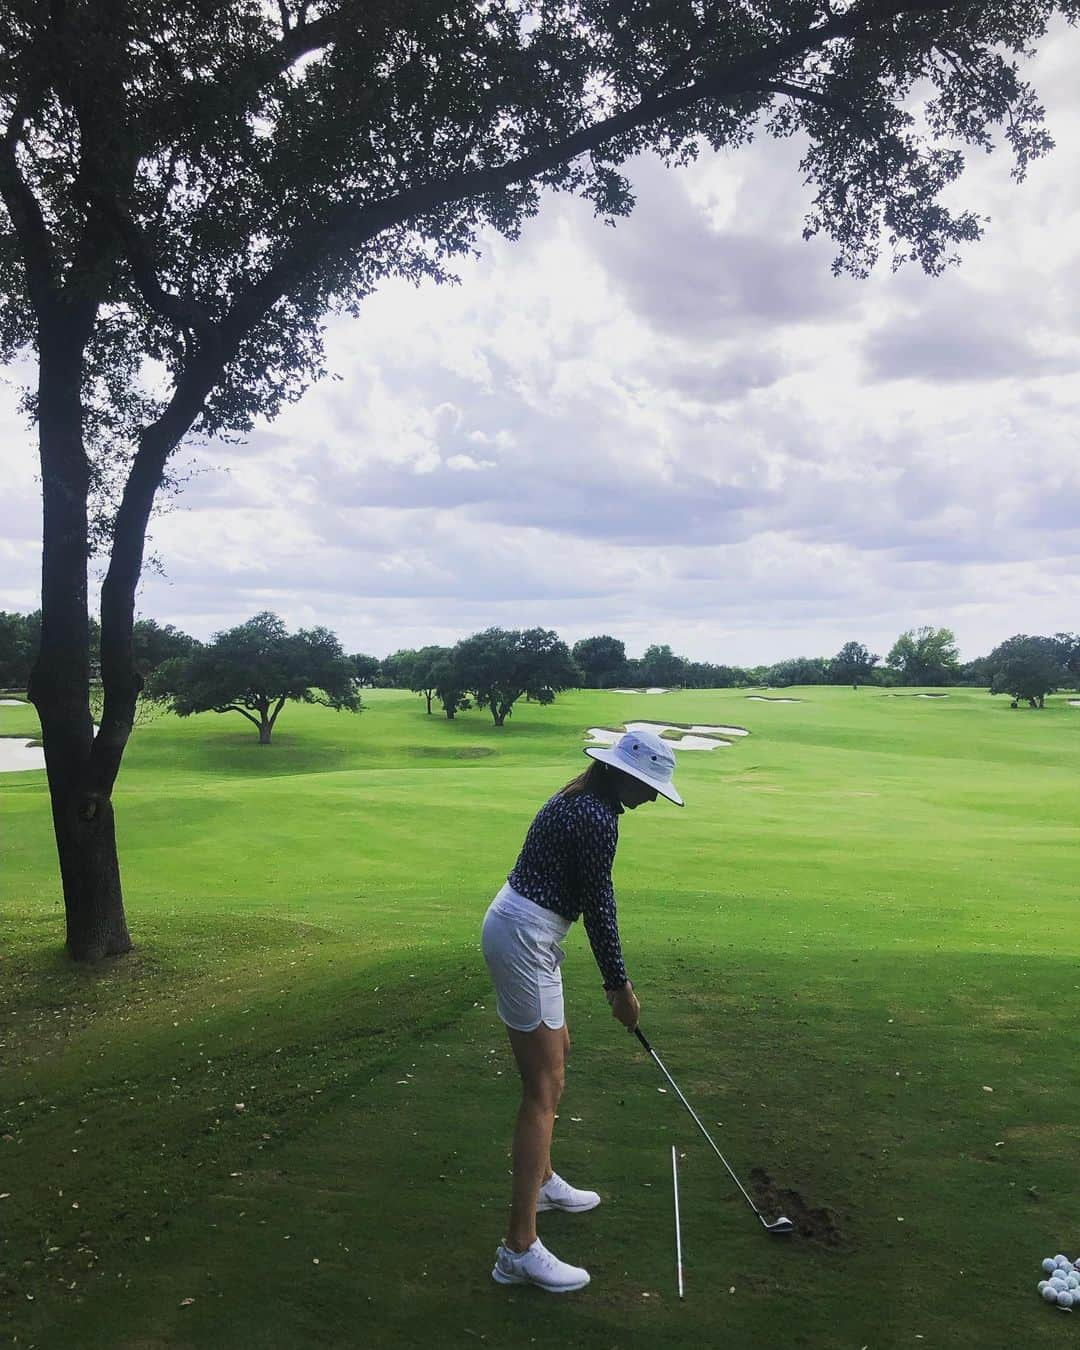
(595, 837)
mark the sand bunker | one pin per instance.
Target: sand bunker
(761, 698)
(17, 755)
(688, 740)
(13, 703)
(1074, 703)
(639, 691)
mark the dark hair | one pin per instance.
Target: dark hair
(599, 778)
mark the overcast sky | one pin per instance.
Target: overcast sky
(681, 430)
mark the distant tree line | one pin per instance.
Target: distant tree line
(256, 667)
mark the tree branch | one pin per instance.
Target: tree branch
(235, 707)
(183, 313)
(801, 92)
(352, 224)
(39, 257)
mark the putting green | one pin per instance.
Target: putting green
(283, 1121)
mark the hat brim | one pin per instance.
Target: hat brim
(607, 756)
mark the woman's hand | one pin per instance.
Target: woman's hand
(624, 1005)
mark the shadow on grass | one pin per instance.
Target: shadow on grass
(357, 1196)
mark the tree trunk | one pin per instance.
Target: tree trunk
(59, 685)
(265, 728)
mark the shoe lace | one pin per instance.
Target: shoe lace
(546, 1258)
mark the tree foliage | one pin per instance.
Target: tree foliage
(601, 660)
(255, 669)
(925, 656)
(1028, 668)
(853, 664)
(188, 188)
(153, 644)
(499, 666)
(799, 670)
(368, 669)
(20, 635)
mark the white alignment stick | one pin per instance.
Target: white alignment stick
(678, 1230)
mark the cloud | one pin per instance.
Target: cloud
(683, 430)
(959, 333)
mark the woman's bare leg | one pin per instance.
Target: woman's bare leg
(541, 1060)
(548, 1169)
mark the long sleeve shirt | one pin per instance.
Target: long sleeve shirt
(565, 866)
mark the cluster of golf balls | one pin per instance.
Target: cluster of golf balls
(1062, 1283)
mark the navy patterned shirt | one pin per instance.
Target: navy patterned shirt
(565, 866)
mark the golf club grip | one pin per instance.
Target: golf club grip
(641, 1037)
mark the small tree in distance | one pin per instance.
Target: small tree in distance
(255, 669)
(367, 668)
(499, 666)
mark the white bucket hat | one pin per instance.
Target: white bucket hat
(642, 755)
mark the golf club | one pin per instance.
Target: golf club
(778, 1226)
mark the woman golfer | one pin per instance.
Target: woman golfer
(564, 871)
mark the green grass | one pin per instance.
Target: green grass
(865, 917)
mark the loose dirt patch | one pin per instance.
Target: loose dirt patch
(816, 1225)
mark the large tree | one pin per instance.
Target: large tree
(853, 664)
(188, 187)
(256, 668)
(660, 666)
(925, 655)
(1027, 667)
(601, 660)
(499, 666)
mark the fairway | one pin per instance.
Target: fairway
(283, 1121)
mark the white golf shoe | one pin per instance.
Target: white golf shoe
(536, 1265)
(558, 1194)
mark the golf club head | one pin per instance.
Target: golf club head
(782, 1225)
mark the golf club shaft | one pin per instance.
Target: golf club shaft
(678, 1228)
(641, 1037)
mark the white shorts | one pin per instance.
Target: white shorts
(520, 940)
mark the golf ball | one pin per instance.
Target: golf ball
(1043, 1284)
(1072, 1281)
(1050, 1294)
(1049, 1265)
(1064, 1298)
(1058, 1282)
(1062, 1262)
